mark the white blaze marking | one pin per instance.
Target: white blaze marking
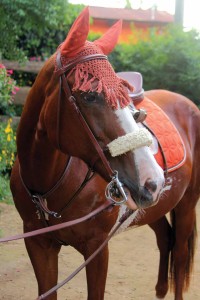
(144, 159)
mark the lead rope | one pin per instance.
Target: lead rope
(94, 254)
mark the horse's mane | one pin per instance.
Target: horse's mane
(34, 104)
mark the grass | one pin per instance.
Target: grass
(5, 193)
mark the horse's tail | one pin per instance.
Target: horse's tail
(190, 259)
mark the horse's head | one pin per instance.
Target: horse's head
(87, 115)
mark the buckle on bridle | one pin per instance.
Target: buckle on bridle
(41, 205)
(139, 115)
(115, 190)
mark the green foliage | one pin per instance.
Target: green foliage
(7, 134)
(34, 27)
(7, 90)
(92, 36)
(128, 4)
(5, 193)
(24, 78)
(170, 61)
(7, 147)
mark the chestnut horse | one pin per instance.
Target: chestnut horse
(76, 116)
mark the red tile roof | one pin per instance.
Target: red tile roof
(125, 14)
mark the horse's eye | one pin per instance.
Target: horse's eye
(90, 97)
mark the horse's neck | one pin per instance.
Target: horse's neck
(41, 164)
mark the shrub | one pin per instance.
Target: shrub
(169, 61)
(34, 27)
(5, 193)
(8, 89)
(7, 147)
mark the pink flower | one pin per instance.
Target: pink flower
(16, 88)
(10, 72)
(2, 66)
(33, 58)
(13, 92)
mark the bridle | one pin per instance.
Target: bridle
(114, 191)
(115, 187)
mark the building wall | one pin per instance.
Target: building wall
(131, 31)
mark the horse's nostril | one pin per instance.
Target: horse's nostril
(151, 185)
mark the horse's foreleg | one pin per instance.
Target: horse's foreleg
(183, 252)
(96, 272)
(163, 234)
(43, 254)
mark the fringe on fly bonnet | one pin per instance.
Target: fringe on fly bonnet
(114, 88)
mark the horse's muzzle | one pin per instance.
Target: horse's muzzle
(144, 197)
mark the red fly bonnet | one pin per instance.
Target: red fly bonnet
(98, 70)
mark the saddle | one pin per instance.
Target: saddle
(170, 151)
(136, 80)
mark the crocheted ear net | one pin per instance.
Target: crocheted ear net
(114, 88)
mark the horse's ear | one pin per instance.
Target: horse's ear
(109, 40)
(77, 35)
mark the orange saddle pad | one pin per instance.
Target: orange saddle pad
(169, 139)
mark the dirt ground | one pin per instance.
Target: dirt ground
(132, 268)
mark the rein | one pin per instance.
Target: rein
(94, 213)
(52, 228)
(90, 258)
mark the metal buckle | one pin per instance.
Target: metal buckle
(139, 115)
(42, 205)
(115, 189)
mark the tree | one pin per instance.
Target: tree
(169, 61)
(25, 23)
(179, 11)
(128, 4)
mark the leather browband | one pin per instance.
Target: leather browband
(73, 63)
